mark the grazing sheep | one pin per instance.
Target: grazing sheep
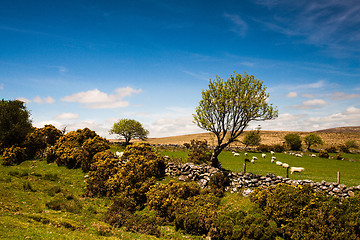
(298, 155)
(236, 154)
(254, 158)
(296, 169)
(119, 154)
(252, 161)
(272, 152)
(278, 163)
(272, 160)
(263, 155)
(245, 154)
(313, 155)
(285, 165)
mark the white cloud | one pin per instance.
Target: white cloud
(292, 95)
(240, 26)
(97, 99)
(311, 104)
(67, 116)
(1, 86)
(25, 100)
(343, 96)
(39, 100)
(307, 95)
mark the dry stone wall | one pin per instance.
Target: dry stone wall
(240, 181)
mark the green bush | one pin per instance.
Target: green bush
(263, 148)
(293, 141)
(64, 201)
(197, 214)
(218, 182)
(13, 155)
(323, 154)
(77, 148)
(105, 165)
(331, 149)
(199, 152)
(278, 148)
(35, 143)
(166, 198)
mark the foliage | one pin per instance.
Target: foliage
(229, 106)
(238, 224)
(34, 143)
(323, 154)
(293, 141)
(351, 144)
(218, 183)
(303, 213)
(104, 166)
(312, 140)
(15, 123)
(263, 148)
(278, 148)
(252, 139)
(51, 133)
(331, 149)
(198, 151)
(129, 129)
(165, 199)
(77, 148)
(13, 155)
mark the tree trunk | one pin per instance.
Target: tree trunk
(214, 157)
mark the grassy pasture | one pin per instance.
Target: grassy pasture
(316, 169)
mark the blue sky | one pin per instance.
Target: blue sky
(89, 63)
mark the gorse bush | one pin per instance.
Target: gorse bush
(13, 155)
(218, 183)
(76, 149)
(199, 151)
(323, 154)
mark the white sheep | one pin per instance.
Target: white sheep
(252, 161)
(236, 154)
(278, 163)
(298, 155)
(245, 154)
(272, 152)
(272, 160)
(254, 158)
(285, 165)
(119, 154)
(263, 155)
(313, 155)
(296, 169)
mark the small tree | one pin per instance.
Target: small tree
(293, 141)
(129, 129)
(253, 138)
(351, 144)
(15, 123)
(312, 139)
(227, 107)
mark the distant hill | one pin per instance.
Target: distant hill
(331, 137)
(354, 129)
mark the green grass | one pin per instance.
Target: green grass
(30, 193)
(316, 169)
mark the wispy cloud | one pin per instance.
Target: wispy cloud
(239, 25)
(99, 100)
(40, 100)
(292, 95)
(67, 116)
(311, 104)
(343, 96)
(329, 23)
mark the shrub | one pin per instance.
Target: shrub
(199, 152)
(331, 149)
(278, 148)
(343, 148)
(77, 148)
(351, 144)
(323, 154)
(142, 224)
(197, 214)
(143, 166)
(13, 155)
(105, 165)
(35, 143)
(64, 201)
(166, 198)
(263, 148)
(293, 141)
(218, 182)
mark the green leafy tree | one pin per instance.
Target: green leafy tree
(351, 144)
(253, 138)
(312, 139)
(227, 107)
(293, 141)
(129, 129)
(15, 123)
